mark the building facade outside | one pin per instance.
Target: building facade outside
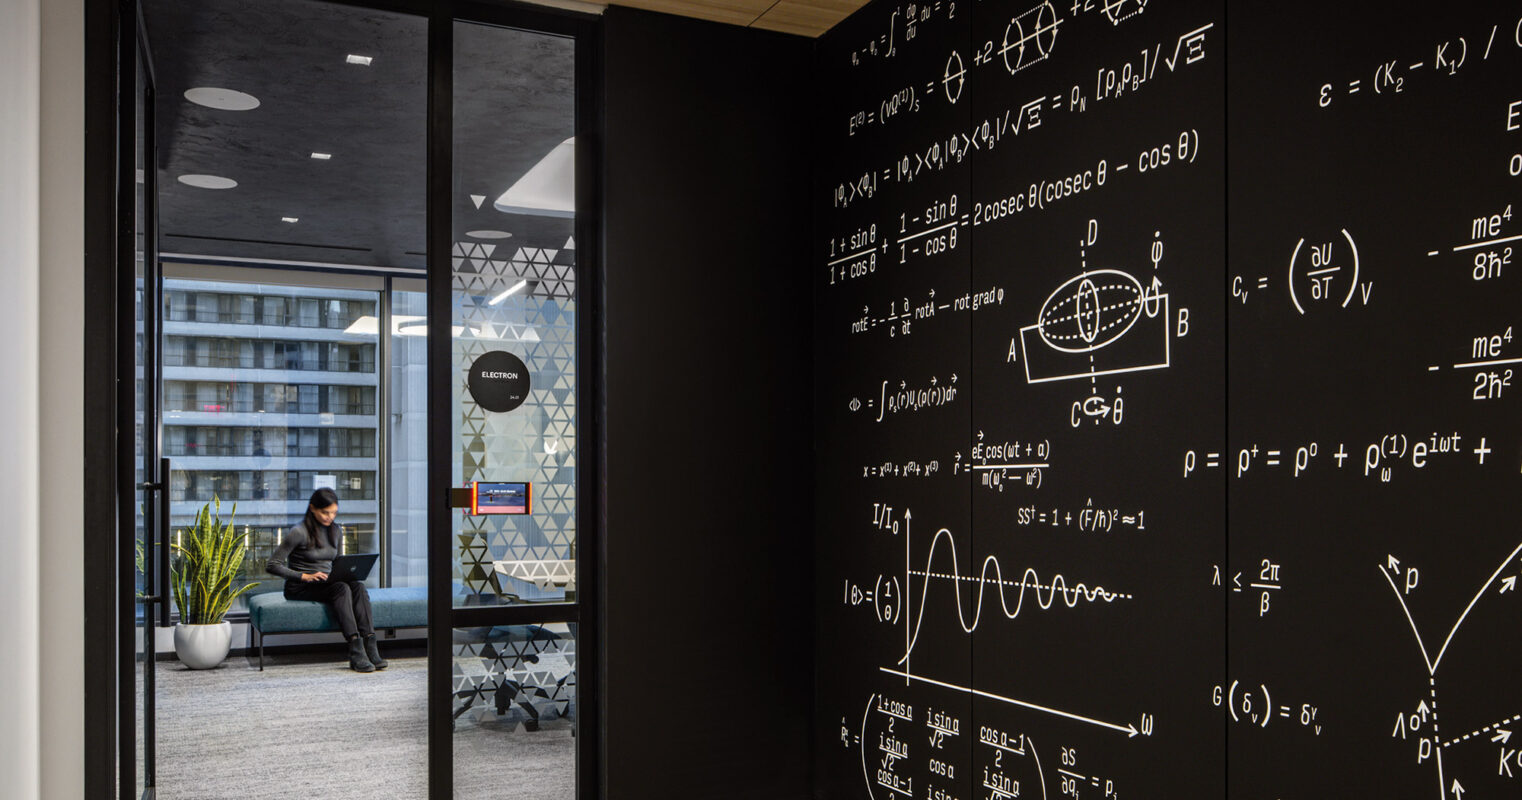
(271, 391)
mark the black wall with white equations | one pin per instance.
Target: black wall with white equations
(1375, 435)
(1019, 249)
(1166, 436)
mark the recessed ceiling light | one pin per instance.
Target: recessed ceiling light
(208, 181)
(322, 156)
(287, 219)
(363, 61)
(222, 99)
(488, 234)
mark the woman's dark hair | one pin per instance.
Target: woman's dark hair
(322, 498)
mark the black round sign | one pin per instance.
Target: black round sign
(498, 381)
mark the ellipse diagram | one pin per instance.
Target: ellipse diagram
(1090, 311)
(1098, 322)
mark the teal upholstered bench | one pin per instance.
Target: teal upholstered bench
(270, 612)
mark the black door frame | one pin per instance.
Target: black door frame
(109, 381)
(154, 472)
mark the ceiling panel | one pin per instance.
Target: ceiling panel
(733, 12)
(806, 17)
(802, 17)
(366, 205)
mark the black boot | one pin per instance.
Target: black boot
(358, 661)
(373, 653)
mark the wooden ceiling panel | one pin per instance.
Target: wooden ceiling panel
(802, 17)
(806, 17)
(733, 12)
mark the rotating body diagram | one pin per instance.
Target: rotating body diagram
(1102, 321)
(1030, 37)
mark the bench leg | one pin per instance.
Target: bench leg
(261, 651)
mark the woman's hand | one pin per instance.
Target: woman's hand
(308, 577)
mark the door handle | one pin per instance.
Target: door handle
(162, 488)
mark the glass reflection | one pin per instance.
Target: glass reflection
(514, 292)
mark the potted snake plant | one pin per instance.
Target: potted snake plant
(204, 564)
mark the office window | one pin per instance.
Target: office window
(268, 394)
(407, 487)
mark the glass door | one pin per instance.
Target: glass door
(505, 328)
(259, 361)
(146, 549)
(229, 395)
(514, 411)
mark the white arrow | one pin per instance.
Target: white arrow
(1508, 583)
(1394, 564)
(1502, 735)
(1458, 789)
(1128, 729)
(1423, 710)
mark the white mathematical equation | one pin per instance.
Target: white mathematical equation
(1379, 459)
(1018, 51)
(1325, 272)
(1444, 58)
(901, 397)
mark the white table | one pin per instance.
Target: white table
(550, 576)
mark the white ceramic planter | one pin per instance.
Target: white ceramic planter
(203, 646)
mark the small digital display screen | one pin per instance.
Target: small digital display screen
(500, 498)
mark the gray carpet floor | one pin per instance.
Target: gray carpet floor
(308, 726)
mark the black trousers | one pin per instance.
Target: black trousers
(349, 599)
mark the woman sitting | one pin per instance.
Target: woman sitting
(305, 557)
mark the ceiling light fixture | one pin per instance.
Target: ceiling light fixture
(287, 219)
(363, 61)
(401, 325)
(548, 189)
(420, 328)
(208, 181)
(222, 99)
(489, 234)
(322, 156)
(515, 287)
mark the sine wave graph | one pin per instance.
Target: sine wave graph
(1030, 581)
(1046, 595)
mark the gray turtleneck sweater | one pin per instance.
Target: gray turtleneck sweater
(296, 555)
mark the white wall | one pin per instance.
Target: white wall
(62, 384)
(20, 141)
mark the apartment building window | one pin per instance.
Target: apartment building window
(270, 391)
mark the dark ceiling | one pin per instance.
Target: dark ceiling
(515, 102)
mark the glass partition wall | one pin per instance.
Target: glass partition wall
(282, 344)
(147, 503)
(407, 446)
(515, 412)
